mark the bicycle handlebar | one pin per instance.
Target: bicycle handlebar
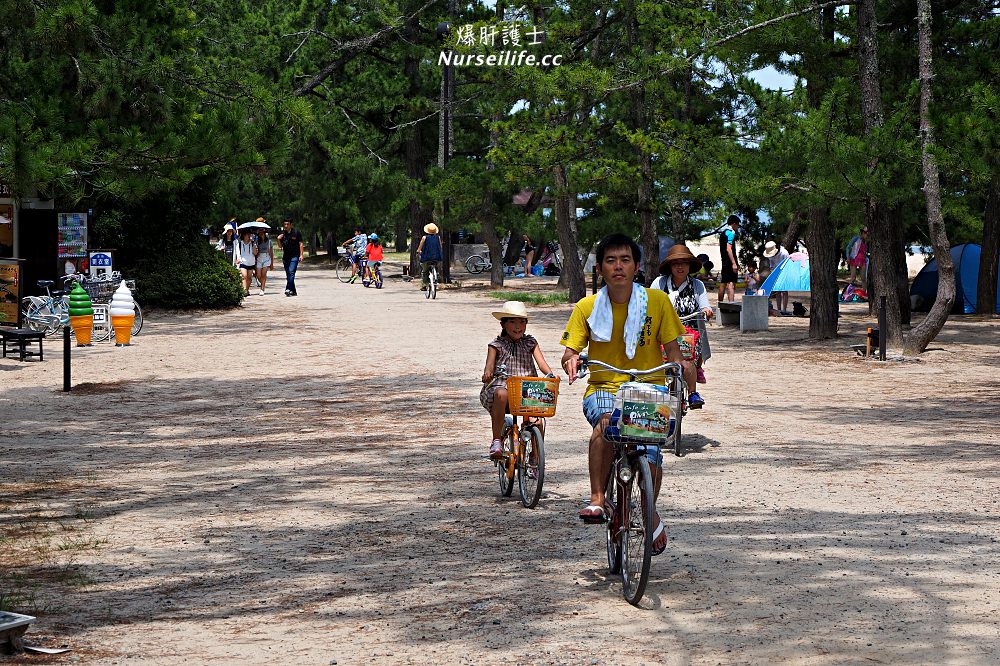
(586, 362)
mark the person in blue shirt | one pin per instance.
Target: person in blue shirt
(356, 246)
(730, 266)
(430, 252)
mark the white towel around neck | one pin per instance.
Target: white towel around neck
(601, 320)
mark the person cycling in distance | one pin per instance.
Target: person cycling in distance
(623, 325)
(356, 246)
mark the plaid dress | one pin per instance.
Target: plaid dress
(517, 357)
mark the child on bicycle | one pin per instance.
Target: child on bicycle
(373, 252)
(517, 351)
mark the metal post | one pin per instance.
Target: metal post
(881, 328)
(67, 360)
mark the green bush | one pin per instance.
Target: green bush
(189, 276)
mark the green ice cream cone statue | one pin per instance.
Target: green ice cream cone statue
(81, 315)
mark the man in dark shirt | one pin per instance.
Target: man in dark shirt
(292, 250)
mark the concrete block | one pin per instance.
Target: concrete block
(753, 314)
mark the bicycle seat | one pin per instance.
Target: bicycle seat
(42, 284)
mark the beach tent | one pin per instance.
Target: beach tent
(923, 291)
(792, 274)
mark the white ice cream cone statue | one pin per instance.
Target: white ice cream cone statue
(122, 315)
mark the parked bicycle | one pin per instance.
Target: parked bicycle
(477, 263)
(50, 313)
(532, 399)
(643, 418)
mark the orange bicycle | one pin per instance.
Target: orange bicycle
(533, 399)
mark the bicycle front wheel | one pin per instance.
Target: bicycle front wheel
(613, 497)
(137, 322)
(637, 513)
(505, 463)
(476, 264)
(531, 466)
(343, 269)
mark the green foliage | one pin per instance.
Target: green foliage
(193, 276)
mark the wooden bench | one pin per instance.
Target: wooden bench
(23, 337)
(729, 313)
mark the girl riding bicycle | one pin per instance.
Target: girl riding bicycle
(519, 353)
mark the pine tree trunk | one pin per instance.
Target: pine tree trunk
(821, 234)
(566, 227)
(822, 239)
(644, 204)
(792, 233)
(921, 335)
(882, 268)
(419, 216)
(986, 295)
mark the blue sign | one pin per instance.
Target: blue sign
(100, 259)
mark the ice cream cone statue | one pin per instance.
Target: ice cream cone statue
(122, 315)
(81, 315)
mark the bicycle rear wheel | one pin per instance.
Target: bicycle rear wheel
(637, 512)
(343, 269)
(433, 287)
(506, 482)
(476, 264)
(137, 322)
(378, 278)
(531, 466)
(614, 522)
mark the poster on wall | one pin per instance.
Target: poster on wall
(72, 242)
(10, 283)
(6, 230)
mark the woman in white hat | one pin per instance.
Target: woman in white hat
(775, 254)
(430, 252)
(516, 350)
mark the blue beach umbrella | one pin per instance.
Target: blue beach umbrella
(792, 274)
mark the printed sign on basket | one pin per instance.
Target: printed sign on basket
(537, 394)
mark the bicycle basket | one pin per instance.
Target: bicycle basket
(642, 413)
(532, 396)
(100, 291)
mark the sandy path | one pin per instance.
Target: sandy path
(304, 481)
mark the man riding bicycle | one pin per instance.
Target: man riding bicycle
(622, 325)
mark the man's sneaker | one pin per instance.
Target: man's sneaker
(288, 292)
(496, 450)
(695, 401)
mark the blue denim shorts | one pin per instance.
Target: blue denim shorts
(599, 403)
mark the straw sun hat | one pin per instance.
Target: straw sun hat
(512, 309)
(430, 228)
(770, 249)
(680, 253)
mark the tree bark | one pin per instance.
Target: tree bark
(821, 234)
(566, 228)
(882, 268)
(921, 335)
(792, 233)
(644, 204)
(823, 260)
(986, 294)
(419, 215)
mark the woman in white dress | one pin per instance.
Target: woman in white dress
(265, 258)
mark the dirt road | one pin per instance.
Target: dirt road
(304, 480)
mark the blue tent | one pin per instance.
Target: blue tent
(792, 274)
(923, 291)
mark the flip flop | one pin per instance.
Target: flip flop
(656, 535)
(593, 514)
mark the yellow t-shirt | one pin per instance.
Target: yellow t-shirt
(661, 326)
